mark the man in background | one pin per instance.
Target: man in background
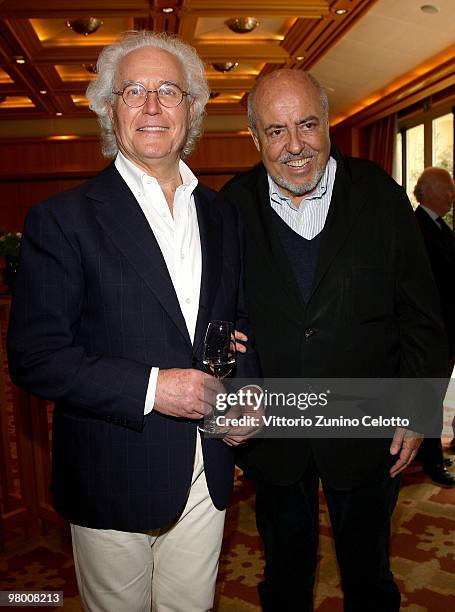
(435, 192)
(339, 286)
(117, 281)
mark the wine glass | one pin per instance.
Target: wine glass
(219, 357)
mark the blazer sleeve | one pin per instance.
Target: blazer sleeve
(44, 356)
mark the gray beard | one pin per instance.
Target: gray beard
(302, 189)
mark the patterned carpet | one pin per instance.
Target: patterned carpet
(423, 555)
(422, 547)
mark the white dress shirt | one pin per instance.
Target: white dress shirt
(308, 219)
(177, 235)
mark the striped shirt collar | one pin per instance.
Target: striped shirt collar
(308, 219)
(278, 197)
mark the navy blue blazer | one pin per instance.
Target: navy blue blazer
(94, 308)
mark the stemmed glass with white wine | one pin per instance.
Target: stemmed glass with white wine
(219, 357)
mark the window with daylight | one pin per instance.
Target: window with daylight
(398, 159)
(425, 140)
(442, 136)
(414, 158)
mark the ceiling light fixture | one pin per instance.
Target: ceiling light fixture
(341, 11)
(59, 114)
(43, 91)
(19, 59)
(85, 26)
(299, 58)
(242, 25)
(225, 66)
(90, 68)
(429, 9)
(168, 9)
(63, 137)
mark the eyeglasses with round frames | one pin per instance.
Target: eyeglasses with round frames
(135, 95)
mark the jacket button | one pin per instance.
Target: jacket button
(310, 331)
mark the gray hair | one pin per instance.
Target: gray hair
(420, 189)
(99, 92)
(252, 96)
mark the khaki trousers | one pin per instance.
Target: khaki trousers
(164, 570)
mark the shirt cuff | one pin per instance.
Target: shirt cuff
(151, 390)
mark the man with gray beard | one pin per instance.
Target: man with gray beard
(338, 285)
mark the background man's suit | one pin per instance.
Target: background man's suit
(93, 311)
(372, 312)
(440, 243)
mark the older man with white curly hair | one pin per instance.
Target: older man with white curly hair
(118, 279)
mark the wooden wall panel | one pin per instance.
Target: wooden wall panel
(9, 194)
(224, 152)
(11, 218)
(34, 169)
(17, 197)
(23, 157)
(44, 157)
(214, 181)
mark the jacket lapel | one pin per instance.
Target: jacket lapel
(263, 227)
(123, 221)
(210, 232)
(345, 205)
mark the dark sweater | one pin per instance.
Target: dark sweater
(302, 254)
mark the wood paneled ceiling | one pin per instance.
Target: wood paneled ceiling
(56, 62)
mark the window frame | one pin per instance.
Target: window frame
(426, 117)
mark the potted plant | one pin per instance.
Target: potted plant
(10, 243)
